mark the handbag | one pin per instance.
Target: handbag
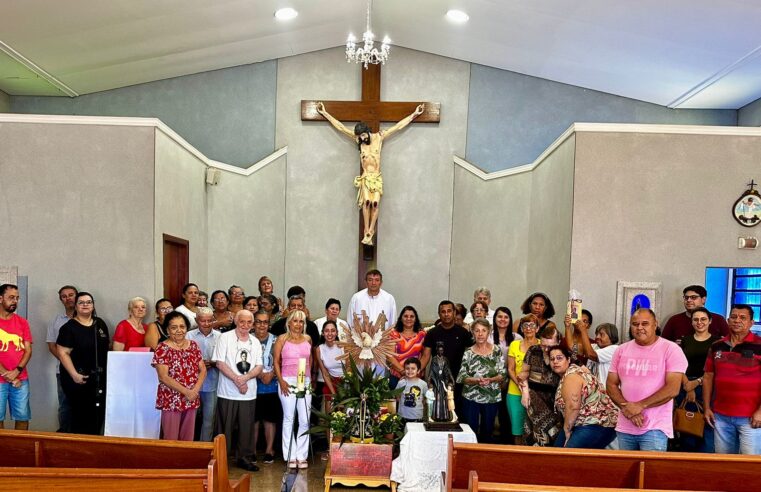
(689, 422)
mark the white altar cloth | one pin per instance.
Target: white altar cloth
(131, 396)
(423, 456)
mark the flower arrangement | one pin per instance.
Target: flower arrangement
(357, 408)
(390, 426)
(339, 423)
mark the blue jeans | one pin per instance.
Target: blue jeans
(692, 444)
(64, 409)
(735, 435)
(18, 401)
(587, 436)
(485, 413)
(652, 440)
(208, 411)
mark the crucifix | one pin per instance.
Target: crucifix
(372, 112)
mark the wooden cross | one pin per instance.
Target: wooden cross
(751, 185)
(372, 111)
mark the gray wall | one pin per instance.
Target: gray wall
(549, 238)
(418, 174)
(246, 218)
(321, 216)
(653, 207)
(5, 102)
(181, 208)
(750, 115)
(490, 224)
(514, 117)
(228, 114)
(322, 220)
(75, 213)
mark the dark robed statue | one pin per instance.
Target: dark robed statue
(439, 379)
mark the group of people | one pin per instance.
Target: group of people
(242, 361)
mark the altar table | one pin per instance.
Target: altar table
(131, 396)
(423, 456)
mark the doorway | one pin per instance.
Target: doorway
(176, 267)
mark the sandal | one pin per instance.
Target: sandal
(293, 464)
(303, 464)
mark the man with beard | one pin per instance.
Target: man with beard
(15, 352)
(370, 183)
(680, 324)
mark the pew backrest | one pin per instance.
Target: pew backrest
(598, 468)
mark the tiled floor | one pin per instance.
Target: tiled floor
(269, 477)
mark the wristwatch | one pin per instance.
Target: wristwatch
(19, 368)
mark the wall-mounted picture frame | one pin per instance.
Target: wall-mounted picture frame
(747, 209)
(633, 295)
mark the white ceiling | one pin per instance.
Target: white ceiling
(677, 53)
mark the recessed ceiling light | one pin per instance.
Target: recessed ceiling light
(457, 16)
(286, 13)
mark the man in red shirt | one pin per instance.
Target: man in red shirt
(680, 324)
(15, 352)
(732, 386)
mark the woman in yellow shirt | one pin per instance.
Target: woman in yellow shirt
(515, 354)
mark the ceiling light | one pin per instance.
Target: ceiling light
(457, 16)
(286, 13)
(367, 53)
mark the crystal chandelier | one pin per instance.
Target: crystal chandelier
(367, 53)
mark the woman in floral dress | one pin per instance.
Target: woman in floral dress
(181, 371)
(589, 415)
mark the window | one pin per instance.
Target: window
(746, 289)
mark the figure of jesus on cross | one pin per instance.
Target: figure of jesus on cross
(370, 183)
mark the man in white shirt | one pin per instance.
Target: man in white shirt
(484, 295)
(238, 356)
(373, 301)
(66, 294)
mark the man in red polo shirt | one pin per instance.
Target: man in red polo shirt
(732, 380)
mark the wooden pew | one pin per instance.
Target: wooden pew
(597, 469)
(74, 462)
(475, 486)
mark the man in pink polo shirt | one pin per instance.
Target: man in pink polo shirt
(645, 376)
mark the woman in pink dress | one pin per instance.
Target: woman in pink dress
(181, 371)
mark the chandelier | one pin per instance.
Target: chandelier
(367, 53)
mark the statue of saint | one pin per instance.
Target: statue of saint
(439, 379)
(370, 183)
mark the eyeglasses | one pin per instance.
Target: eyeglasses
(530, 326)
(13, 298)
(85, 303)
(166, 310)
(261, 322)
(693, 297)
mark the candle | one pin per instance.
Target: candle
(301, 375)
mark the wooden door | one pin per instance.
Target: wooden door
(176, 267)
